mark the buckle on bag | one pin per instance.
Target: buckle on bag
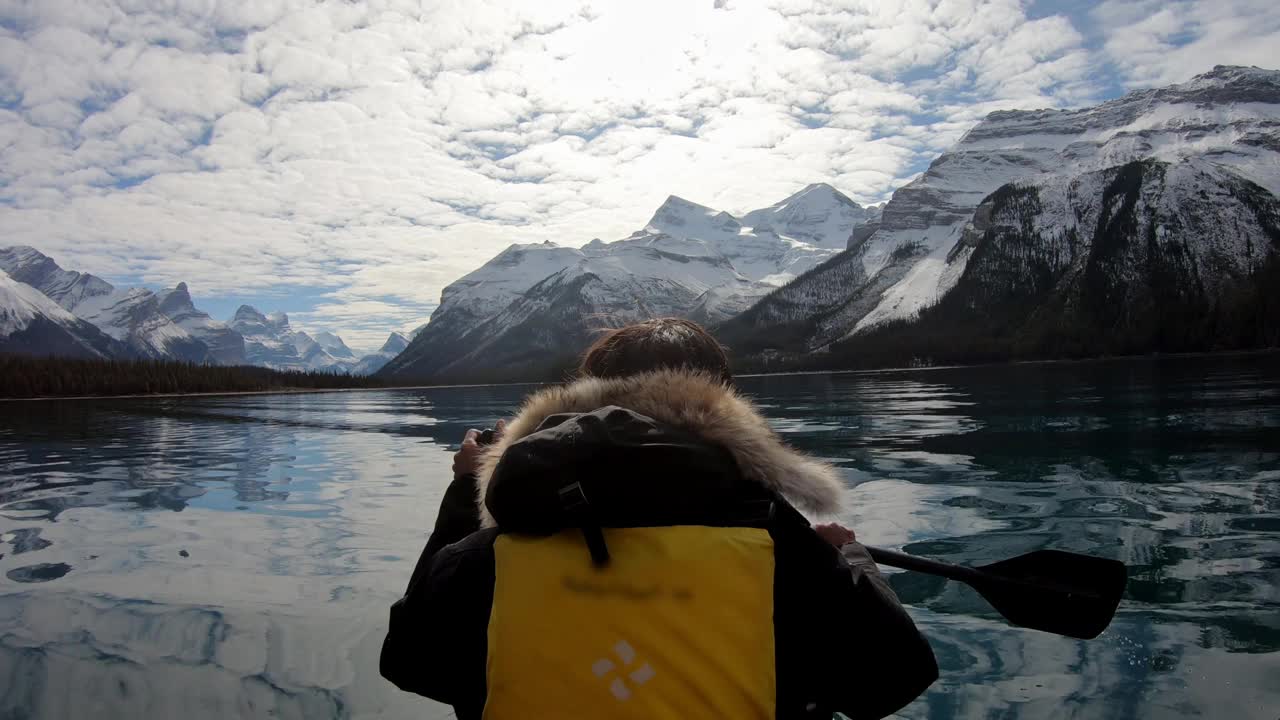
(573, 500)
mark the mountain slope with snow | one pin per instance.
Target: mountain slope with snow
(333, 345)
(33, 324)
(539, 301)
(65, 287)
(224, 346)
(1228, 117)
(153, 325)
(132, 316)
(771, 245)
(555, 318)
(1146, 256)
(167, 324)
(819, 214)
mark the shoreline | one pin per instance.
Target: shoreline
(864, 371)
(238, 393)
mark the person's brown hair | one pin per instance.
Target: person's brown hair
(661, 343)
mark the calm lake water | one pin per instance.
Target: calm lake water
(222, 557)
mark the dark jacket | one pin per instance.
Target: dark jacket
(669, 449)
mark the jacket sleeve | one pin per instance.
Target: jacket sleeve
(436, 643)
(892, 662)
(457, 518)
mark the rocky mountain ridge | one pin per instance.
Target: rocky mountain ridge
(164, 324)
(538, 304)
(1229, 117)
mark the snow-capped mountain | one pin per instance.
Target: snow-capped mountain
(33, 324)
(268, 339)
(225, 346)
(65, 287)
(819, 215)
(770, 245)
(1144, 256)
(164, 324)
(333, 345)
(372, 363)
(608, 286)
(132, 316)
(535, 301)
(271, 342)
(1229, 117)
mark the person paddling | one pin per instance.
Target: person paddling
(631, 545)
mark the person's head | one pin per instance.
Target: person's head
(662, 343)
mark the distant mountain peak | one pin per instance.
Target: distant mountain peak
(821, 192)
(333, 344)
(396, 343)
(1237, 72)
(677, 208)
(248, 313)
(683, 218)
(177, 296)
(25, 252)
(677, 202)
(817, 214)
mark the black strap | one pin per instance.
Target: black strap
(575, 504)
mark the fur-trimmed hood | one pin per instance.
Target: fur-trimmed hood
(692, 403)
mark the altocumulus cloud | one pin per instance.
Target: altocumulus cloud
(365, 154)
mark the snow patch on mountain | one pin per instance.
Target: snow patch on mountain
(20, 304)
(333, 345)
(819, 215)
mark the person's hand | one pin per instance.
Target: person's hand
(465, 460)
(835, 533)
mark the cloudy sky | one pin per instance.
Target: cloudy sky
(344, 161)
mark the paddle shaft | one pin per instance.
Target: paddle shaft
(925, 565)
(977, 578)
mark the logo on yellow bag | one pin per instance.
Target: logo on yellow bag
(604, 668)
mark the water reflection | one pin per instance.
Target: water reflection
(266, 530)
(234, 556)
(1170, 466)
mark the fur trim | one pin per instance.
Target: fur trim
(694, 403)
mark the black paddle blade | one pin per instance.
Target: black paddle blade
(1055, 591)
